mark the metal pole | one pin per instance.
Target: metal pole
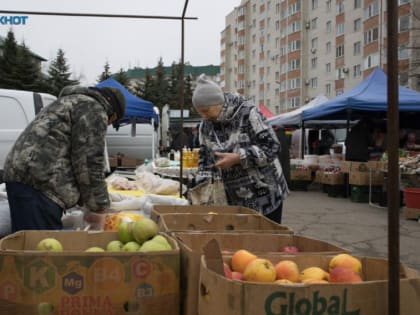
(181, 97)
(393, 156)
(100, 15)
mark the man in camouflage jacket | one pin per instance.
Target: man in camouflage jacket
(236, 142)
(58, 160)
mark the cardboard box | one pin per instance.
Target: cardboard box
(161, 209)
(347, 166)
(329, 178)
(300, 174)
(78, 282)
(191, 245)
(319, 174)
(124, 161)
(362, 178)
(173, 222)
(220, 295)
(411, 213)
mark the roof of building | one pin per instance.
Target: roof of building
(210, 70)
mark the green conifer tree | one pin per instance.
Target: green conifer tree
(59, 74)
(9, 63)
(106, 73)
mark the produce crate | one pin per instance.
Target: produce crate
(220, 295)
(202, 209)
(411, 213)
(191, 244)
(179, 222)
(336, 191)
(299, 185)
(359, 193)
(77, 282)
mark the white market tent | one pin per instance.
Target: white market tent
(294, 118)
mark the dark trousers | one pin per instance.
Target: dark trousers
(30, 209)
(276, 214)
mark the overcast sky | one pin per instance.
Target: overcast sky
(125, 43)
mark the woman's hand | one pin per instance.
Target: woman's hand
(226, 160)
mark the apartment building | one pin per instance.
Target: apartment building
(283, 53)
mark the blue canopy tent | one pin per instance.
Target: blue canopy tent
(367, 98)
(137, 109)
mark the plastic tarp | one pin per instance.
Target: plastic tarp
(137, 109)
(368, 96)
(265, 111)
(294, 118)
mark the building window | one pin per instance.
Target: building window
(357, 4)
(328, 27)
(403, 23)
(371, 61)
(328, 47)
(277, 8)
(371, 35)
(293, 27)
(293, 84)
(314, 62)
(372, 10)
(314, 43)
(293, 46)
(254, 8)
(328, 5)
(314, 23)
(402, 52)
(314, 4)
(357, 25)
(277, 25)
(403, 78)
(314, 83)
(403, 1)
(293, 102)
(357, 71)
(357, 48)
(293, 64)
(328, 89)
(340, 7)
(340, 29)
(339, 51)
(328, 67)
(254, 68)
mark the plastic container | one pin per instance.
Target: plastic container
(412, 197)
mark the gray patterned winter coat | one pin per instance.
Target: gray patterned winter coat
(61, 152)
(258, 181)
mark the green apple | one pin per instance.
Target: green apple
(152, 246)
(95, 249)
(161, 239)
(114, 246)
(124, 232)
(131, 247)
(144, 229)
(49, 244)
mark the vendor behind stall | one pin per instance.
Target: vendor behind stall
(58, 160)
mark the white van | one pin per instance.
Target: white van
(140, 141)
(17, 110)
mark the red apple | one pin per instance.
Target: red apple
(237, 275)
(228, 272)
(290, 249)
(344, 274)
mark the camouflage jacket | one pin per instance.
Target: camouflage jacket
(61, 152)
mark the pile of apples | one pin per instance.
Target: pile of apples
(245, 266)
(140, 235)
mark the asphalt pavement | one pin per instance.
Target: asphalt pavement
(361, 228)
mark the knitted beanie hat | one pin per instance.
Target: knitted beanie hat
(115, 97)
(207, 93)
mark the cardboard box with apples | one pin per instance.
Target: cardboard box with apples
(74, 281)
